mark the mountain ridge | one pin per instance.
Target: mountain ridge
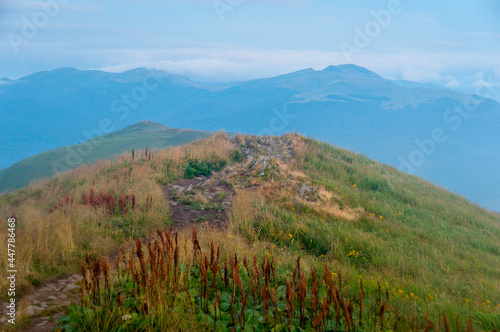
(284, 203)
(347, 105)
(138, 136)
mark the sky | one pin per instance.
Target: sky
(455, 43)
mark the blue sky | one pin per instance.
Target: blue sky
(450, 42)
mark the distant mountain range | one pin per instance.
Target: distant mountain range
(138, 137)
(450, 138)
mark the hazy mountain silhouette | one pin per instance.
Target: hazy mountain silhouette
(347, 105)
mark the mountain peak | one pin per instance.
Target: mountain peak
(147, 124)
(351, 69)
(66, 70)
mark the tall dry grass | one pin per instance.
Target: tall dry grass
(55, 227)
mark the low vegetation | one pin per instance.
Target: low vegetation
(323, 240)
(94, 209)
(152, 289)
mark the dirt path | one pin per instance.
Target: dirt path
(201, 202)
(47, 303)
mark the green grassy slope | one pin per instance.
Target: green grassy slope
(139, 136)
(433, 252)
(419, 238)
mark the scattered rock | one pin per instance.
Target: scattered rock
(252, 164)
(42, 323)
(70, 288)
(62, 285)
(76, 277)
(308, 193)
(51, 298)
(52, 287)
(276, 147)
(31, 310)
(202, 204)
(178, 189)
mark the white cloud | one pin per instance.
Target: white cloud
(478, 76)
(481, 83)
(453, 84)
(226, 64)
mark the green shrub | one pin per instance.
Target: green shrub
(196, 167)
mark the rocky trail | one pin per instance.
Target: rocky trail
(203, 202)
(47, 303)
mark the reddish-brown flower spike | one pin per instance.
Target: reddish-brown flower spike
(470, 327)
(346, 313)
(289, 301)
(447, 323)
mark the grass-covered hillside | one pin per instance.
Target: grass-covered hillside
(139, 136)
(316, 238)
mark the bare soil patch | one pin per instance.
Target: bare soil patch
(202, 202)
